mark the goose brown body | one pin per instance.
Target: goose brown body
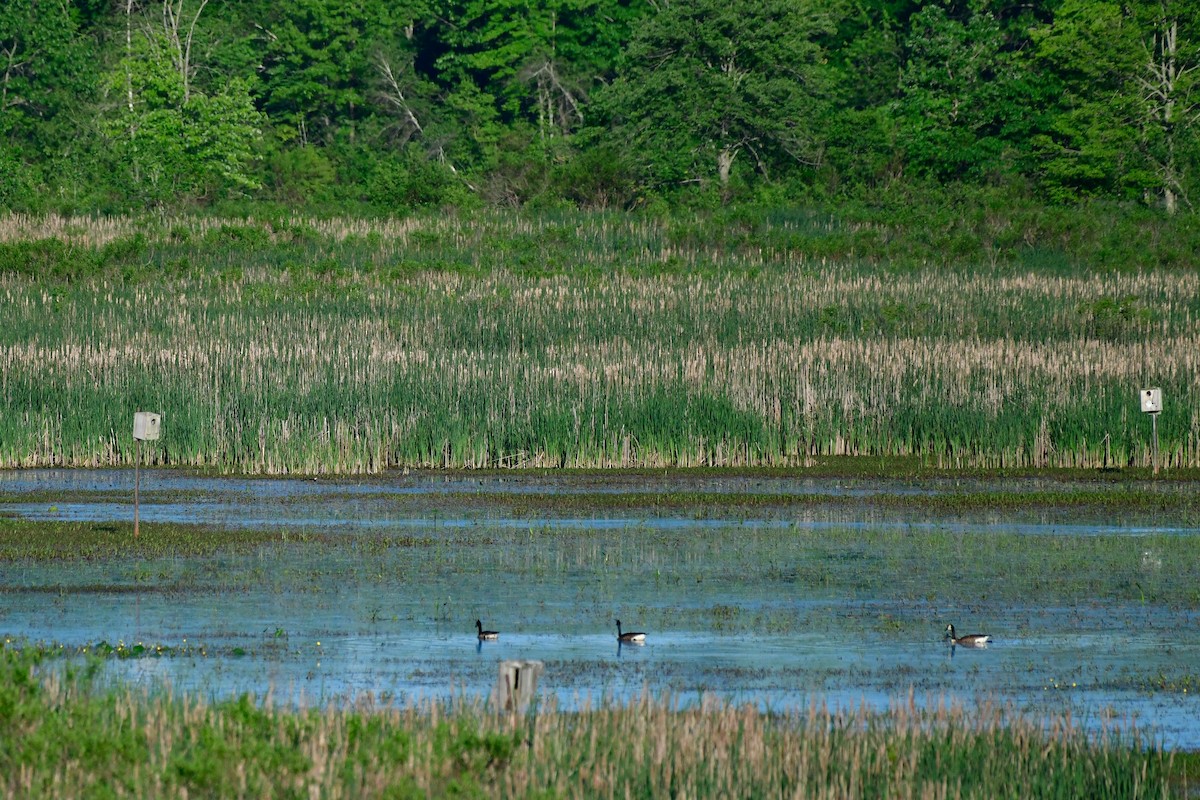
(967, 640)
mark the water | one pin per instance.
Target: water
(776, 608)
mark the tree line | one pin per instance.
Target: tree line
(386, 105)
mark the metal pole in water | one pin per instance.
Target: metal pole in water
(145, 427)
(1152, 404)
(137, 458)
(1154, 442)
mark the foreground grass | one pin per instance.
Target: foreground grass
(60, 736)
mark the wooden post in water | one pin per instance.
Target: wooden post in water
(516, 685)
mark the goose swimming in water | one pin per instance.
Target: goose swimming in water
(630, 637)
(486, 635)
(969, 640)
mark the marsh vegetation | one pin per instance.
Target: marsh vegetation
(574, 341)
(74, 737)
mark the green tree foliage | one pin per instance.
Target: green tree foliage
(413, 181)
(1093, 50)
(488, 44)
(516, 81)
(1127, 122)
(866, 54)
(45, 88)
(302, 174)
(535, 62)
(319, 64)
(710, 82)
(1170, 82)
(42, 69)
(392, 104)
(169, 138)
(963, 105)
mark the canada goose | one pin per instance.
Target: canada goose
(630, 637)
(486, 635)
(970, 640)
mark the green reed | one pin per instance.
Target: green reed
(63, 735)
(580, 341)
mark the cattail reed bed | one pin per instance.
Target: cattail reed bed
(63, 735)
(597, 341)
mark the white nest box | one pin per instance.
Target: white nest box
(1151, 400)
(146, 425)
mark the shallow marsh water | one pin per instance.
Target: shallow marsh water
(1094, 611)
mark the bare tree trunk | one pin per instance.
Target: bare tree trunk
(1169, 74)
(10, 68)
(181, 47)
(129, 61)
(725, 164)
(129, 89)
(1170, 200)
(1164, 99)
(558, 106)
(393, 95)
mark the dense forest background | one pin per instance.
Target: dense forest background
(380, 106)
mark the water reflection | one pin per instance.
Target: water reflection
(635, 646)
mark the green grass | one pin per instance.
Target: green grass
(40, 542)
(1180, 506)
(930, 567)
(574, 341)
(60, 735)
